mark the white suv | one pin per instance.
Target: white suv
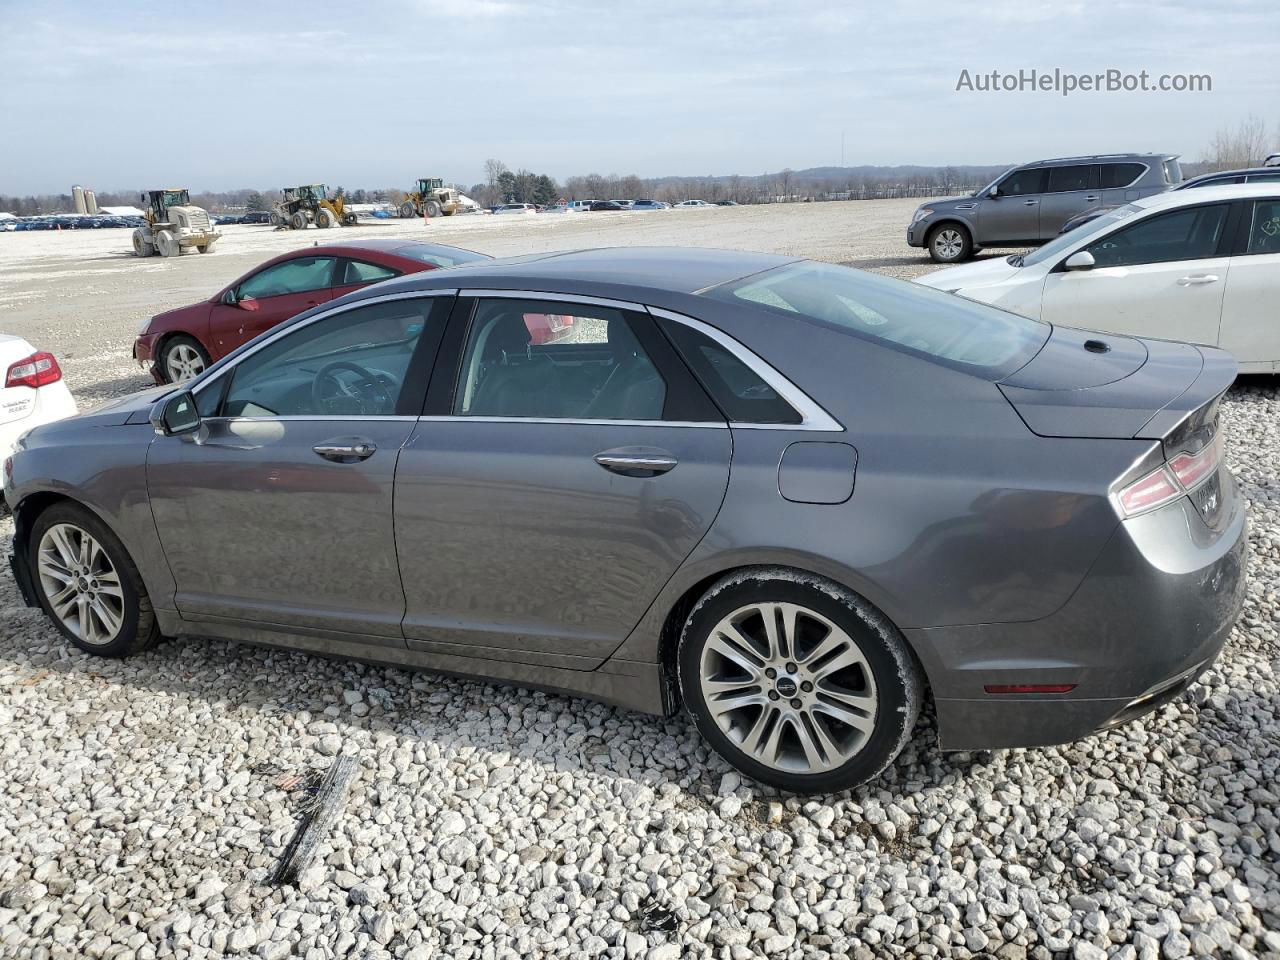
(1196, 265)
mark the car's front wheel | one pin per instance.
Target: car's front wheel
(950, 243)
(797, 682)
(182, 359)
(88, 585)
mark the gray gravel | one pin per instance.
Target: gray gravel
(143, 803)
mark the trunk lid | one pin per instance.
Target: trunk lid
(1086, 383)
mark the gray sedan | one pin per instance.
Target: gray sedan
(797, 498)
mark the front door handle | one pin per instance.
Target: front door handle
(636, 464)
(1090, 199)
(1030, 203)
(346, 450)
(1198, 280)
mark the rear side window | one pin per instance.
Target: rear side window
(1172, 171)
(1217, 182)
(1263, 178)
(358, 271)
(953, 331)
(1115, 175)
(1080, 177)
(738, 391)
(1190, 234)
(1021, 182)
(1264, 229)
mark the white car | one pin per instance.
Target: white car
(688, 204)
(516, 208)
(33, 393)
(1196, 265)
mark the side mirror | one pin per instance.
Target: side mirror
(994, 193)
(1080, 260)
(247, 303)
(175, 415)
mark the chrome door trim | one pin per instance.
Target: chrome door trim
(198, 385)
(561, 297)
(812, 415)
(463, 418)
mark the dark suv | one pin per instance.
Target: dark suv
(1029, 204)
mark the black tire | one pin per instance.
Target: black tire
(139, 630)
(432, 209)
(950, 243)
(298, 221)
(407, 210)
(167, 349)
(898, 686)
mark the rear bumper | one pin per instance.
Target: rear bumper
(1151, 616)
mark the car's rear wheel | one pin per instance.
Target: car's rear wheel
(182, 358)
(950, 243)
(797, 682)
(88, 585)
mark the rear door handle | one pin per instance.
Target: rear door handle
(1197, 280)
(636, 464)
(346, 450)
(1030, 203)
(1090, 199)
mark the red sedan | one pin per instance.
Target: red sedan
(178, 344)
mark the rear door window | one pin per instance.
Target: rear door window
(1080, 177)
(1116, 175)
(1264, 227)
(360, 271)
(1190, 234)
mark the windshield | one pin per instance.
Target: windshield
(968, 336)
(1071, 238)
(175, 198)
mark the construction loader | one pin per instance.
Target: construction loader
(311, 204)
(432, 199)
(173, 225)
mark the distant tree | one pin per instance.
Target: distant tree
(340, 192)
(255, 201)
(1245, 146)
(546, 190)
(493, 169)
(506, 184)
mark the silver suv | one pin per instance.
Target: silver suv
(1028, 205)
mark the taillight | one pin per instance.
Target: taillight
(37, 370)
(1177, 477)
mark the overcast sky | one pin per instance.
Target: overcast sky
(232, 94)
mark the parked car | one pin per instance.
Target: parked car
(1263, 174)
(179, 344)
(1027, 205)
(1199, 265)
(650, 205)
(793, 496)
(515, 208)
(689, 204)
(33, 392)
(607, 205)
(726, 203)
(256, 216)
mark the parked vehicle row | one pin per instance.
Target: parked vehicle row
(87, 222)
(1030, 522)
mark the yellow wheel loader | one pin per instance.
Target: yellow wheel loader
(432, 198)
(308, 204)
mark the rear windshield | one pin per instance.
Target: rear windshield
(956, 332)
(439, 256)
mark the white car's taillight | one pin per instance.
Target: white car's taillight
(37, 370)
(1177, 477)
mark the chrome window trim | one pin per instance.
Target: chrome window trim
(200, 385)
(812, 415)
(463, 418)
(559, 297)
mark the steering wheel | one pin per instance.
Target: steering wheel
(370, 394)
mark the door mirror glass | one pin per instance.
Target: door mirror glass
(175, 415)
(1080, 260)
(994, 193)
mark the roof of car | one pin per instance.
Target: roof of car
(674, 269)
(381, 244)
(1097, 157)
(1243, 172)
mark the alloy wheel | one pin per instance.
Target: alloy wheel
(81, 583)
(948, 244)
(789, 687)
(183, 362)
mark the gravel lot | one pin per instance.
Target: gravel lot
(142, 803)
